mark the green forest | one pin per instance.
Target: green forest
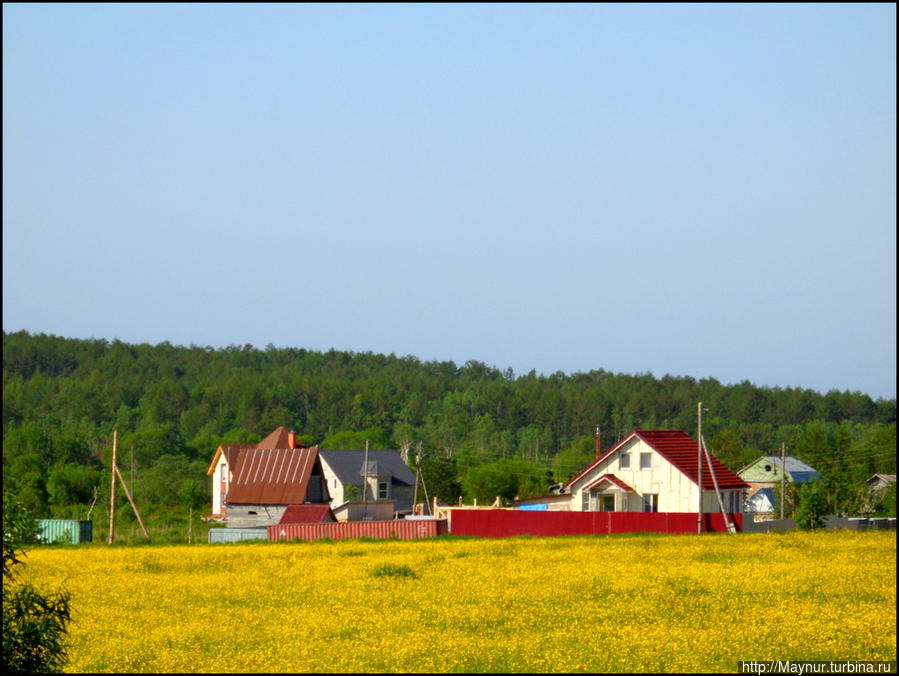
(478, 431)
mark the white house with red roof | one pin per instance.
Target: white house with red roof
(654, 471)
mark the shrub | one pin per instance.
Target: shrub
(34, 625)
(393, 570)
(812, 508)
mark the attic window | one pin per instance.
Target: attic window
(767, 468)
(252, 512)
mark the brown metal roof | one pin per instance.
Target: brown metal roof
(277, 439)
(230, 452)
(279, 476)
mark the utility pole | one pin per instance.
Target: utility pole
(708, 456)
(115, 446)
(365, 484)
(783, 477)
(131, 500)
(424, 486)
(699, 411)
(417, 474)
(117, 473)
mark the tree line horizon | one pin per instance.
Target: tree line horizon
(477, 431)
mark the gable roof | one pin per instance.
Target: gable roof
(229, 452)
(793, 467)
(347, 465)
(307, 514)
(682, 452)
(280, 476)
(277, 439)
(612, 479)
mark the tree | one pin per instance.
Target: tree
(26, 478)
(72, 484)
(375, 436)
(34, 625)
(812, 508)
(506, 478)
(573, 458)
(439, 474)
(886, 505)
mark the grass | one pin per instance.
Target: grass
(677, 603)
(393, 570)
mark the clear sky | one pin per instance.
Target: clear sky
(694, 190)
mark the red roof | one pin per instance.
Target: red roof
(307, 514)
(681, 451)
(270, 477)
(612, 479)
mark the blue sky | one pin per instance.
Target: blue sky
(694, 190)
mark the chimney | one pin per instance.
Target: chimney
(291, 439)
(596, 443)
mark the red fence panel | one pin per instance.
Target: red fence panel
(399, 528)
(505, 523)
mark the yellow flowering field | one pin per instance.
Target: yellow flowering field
(641, 603)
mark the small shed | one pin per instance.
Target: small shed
(64, 530)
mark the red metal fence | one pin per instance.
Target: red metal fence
(504, 523)
(399, 528)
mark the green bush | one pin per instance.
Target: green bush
(393, 570)
(34, 625)
(812, 508)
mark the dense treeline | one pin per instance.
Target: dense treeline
(480, 431)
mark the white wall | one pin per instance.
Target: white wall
(217, 475)
(676, 492)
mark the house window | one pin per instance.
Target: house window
(646, 461)
(650, 502)
(224, 469)
(383, 490)
(624, 461)
(585, 501)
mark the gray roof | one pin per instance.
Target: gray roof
(797, 470)
(347, 465)
(791, 464)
